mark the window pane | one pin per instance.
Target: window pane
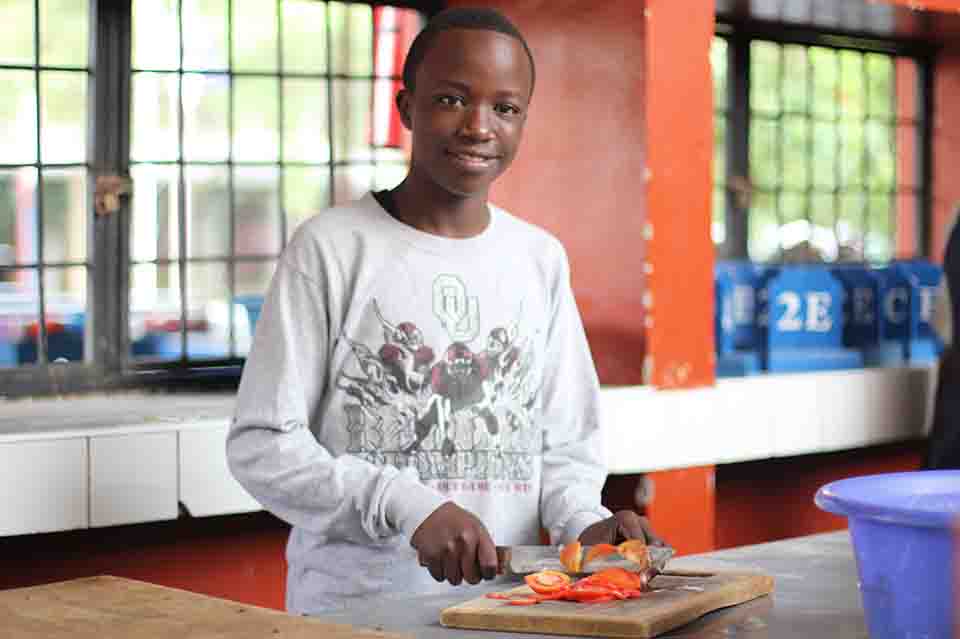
(765, 77)
(822, 211)
(65, 290)
(206, 103)
(823, 62)
(880, 84)
(256, 124)
(205, 35)
(64, 33)
(795, 89)
(155, 226)
(156, 36)
(304, 36)
(764, 152)
(351, 182)
(305, 121)
(18, 117)
(254, 35)
(17, 26)
(719, 150)
(851, 214)
(351, 112)
(352, 28)
(19, 316)
(306, 191)
(155, 311)
(881, 148)
(208, 311)
(852, 85)
(63, 117)
(18, 216)
(154, 117)
(257, 211)
(796, 140)
(65, 224)
(824, 154)
(718, 67)
(208, 211)
(852, 156)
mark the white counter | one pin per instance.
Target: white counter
(89, 461)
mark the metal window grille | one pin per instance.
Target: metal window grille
(45, 263)
(823, 145)
(266, 123)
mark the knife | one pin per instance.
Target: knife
(523, 560)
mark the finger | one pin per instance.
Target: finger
(469, 566)
(434, 567)
(631, 525)
(487, 556)
(452, 568)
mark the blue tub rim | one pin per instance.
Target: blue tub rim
(828, 499)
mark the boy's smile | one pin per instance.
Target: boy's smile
(467, 110)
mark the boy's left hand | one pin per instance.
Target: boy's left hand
(625, 524)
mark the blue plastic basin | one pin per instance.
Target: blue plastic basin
(901, 528)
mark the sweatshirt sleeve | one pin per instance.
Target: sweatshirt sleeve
(272, 449)
(573, 468)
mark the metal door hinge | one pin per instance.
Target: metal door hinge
(108, 191)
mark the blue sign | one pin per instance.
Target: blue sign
(805, 321)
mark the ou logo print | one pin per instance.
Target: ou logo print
(458, 313)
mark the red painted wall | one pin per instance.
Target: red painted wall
(237, 557)
(773, 499)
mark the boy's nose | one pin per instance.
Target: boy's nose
(476, 123)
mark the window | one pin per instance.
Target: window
(44, 161)
(818, 149)
(245, 117)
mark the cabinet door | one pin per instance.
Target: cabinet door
(206, 485)
(44, 487)
(133, 478)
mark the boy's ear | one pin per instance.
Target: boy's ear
(403, 106)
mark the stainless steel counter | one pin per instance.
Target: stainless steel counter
(815, 596)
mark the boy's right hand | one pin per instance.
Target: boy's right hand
(455, 546)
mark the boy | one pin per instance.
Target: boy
(420, 387)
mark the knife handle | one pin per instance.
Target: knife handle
(503, 560)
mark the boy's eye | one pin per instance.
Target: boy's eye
(507, 109)
(450, 100)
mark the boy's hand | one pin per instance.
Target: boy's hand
(625, 524)
(455, 546)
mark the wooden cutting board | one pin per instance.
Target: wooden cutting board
(676, 598)
(115, 608)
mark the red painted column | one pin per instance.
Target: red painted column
(678, 112)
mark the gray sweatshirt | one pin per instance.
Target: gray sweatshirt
(394, 370)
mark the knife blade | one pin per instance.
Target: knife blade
(524, 560)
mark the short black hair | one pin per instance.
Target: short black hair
(460, 18)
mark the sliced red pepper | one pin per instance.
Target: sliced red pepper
(523, 601)
(617, 577)
(547, 581)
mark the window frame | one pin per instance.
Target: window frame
(739, 33)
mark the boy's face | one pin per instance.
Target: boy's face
(468, 109)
